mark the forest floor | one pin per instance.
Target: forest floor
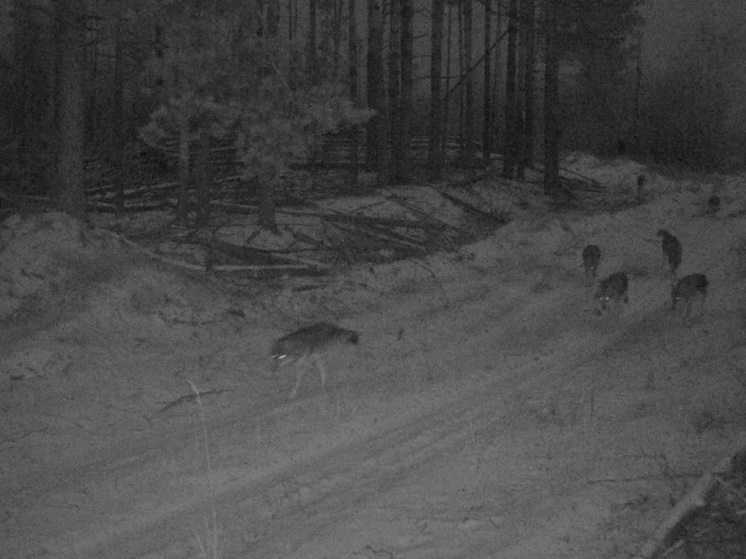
(487, 411)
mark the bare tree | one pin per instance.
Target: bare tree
(69, 195)
(435, 151)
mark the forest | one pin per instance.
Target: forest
(181, 103)
(372, 279)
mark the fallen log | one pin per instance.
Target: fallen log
(260, 257)
(471, 208)
(366, 219)
(694, 500)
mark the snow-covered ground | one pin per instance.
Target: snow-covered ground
(486, 411)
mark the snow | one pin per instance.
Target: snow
(487, 411)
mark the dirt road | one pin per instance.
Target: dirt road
(485, 414)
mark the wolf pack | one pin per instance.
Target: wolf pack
(612, 290)
(304, 348)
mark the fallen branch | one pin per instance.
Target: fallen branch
(692, 501)
(189, 397)
(407, 205)
(366, 219)
(263, 272)
(258, 256)
(153, 255)
(471, 208)
(381, 234)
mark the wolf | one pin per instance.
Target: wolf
(308, 344)
(591, 259)
(612, 288)
(671, 249)
(687, 289)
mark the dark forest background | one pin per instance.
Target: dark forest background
(122, 95)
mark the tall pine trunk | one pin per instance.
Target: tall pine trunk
(376, 136)
(459, 84)
(498, 67)
(352, 76)
(394, 82)
(291, 30)
(511, 120)
(520, 98)
(311, 57)
(469, 148)
(552, 122)
(267, 218)
(337, 35)
(435, 151)
(182, 201)
(487, 124)
(447, 84)
(69, 194)
(266, 182)
(529, 39)
(407, 88)
(117, 120)
(203, 179)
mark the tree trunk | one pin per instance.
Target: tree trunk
(182, 202)
(266, 217)
(376, 137)
(117, 123)
(311, 58)
(291, 29)
(498, 66)
(487, 124)
(459, 84)
(354, 144)
(447, 84)
(468, 88)
(528, 20)
(394, 82)
(520, 97)
(30, 113)
(511, 148)
(69, 194)
(636, 147)
(203, 180)
(407, 89)
(551, 103)
(337, 34)
(435, 151)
